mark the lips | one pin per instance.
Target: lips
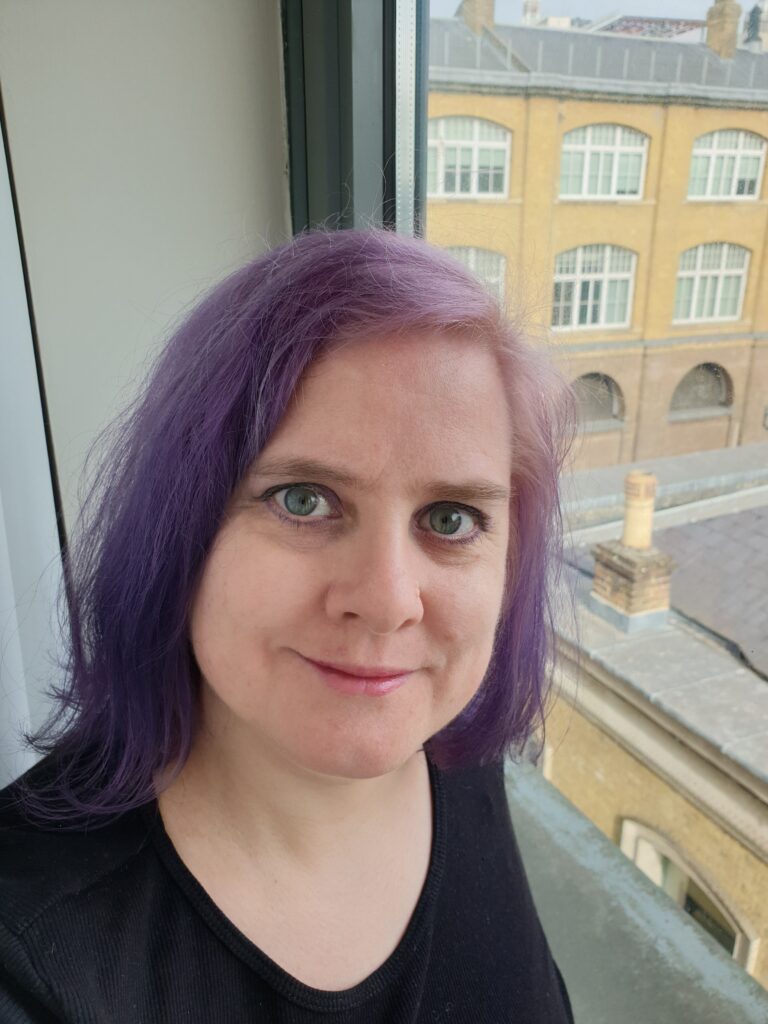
(372, 672)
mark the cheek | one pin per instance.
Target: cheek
(245, 599)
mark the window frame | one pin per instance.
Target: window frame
(698, 273)
(616, 149)
(578, 277)
(476, 145)
(745, 946)
(737, 152)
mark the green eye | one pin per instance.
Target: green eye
(446, 520)
(300, 501)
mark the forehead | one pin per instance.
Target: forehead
(411, 405)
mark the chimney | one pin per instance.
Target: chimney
(478, 14)
(723, 28)
(531, 13)
(754, 29)
(631, 583)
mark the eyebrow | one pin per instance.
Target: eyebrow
(310, 469)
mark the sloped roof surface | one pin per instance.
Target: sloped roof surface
(577, 56)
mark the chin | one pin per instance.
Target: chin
(360, 760)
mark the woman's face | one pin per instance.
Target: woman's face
(390, 566)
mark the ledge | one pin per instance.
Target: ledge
(626, 951)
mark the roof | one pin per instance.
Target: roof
(706, 667)
(720, 578)
(514, 58)
(658, 28)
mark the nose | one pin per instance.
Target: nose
(375, 578)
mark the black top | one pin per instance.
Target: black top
(107, 926)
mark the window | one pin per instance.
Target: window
(603, 161)
(710, 282)
(467, 157)
(727, 165)
(593, 287)
(663, 864)
(704, 389)
(601, 405)
(489, 266)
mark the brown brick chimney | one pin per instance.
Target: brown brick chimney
(723, 27)
(478, 14)
(631, 582)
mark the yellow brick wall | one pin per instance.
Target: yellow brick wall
(607, 784)
(530, 225)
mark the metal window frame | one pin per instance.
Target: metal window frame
(356, 98)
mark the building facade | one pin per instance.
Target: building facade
(614, 188)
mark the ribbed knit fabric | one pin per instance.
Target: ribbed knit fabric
(108, 926)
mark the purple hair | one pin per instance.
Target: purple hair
(127, 708)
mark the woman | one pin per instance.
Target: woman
(308, 616)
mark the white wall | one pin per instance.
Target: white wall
(148, 148)
(147, 143)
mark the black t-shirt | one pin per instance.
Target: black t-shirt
(107, 926)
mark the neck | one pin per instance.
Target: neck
(245, 793)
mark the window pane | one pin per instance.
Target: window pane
(457, 128)
(750, 141)
(466, 171)
(705, 141)
(566, 262)
(688, 260)
(451, 166)
(603, 134)
(729, 296)
(683, 298)
(711, 256)
(697, 185)
(432, 170)
(628, 179)
(616, 302)
(571, 172)
(486, 130)
(606, 172)
(630, 137)
(735, 257)
(620, 260)
(746, 183)
(593, 259)
(727, 139)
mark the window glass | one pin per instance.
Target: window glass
(614, 193)
(727, 164)
(605, 160)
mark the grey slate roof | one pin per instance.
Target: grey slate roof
(720, 579)
(716, 506)
(686, 675)
(520, 57)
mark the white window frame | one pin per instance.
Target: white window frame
(579, 276)
(469, 255)
(616, 149)
(698, 274)
(737, 152)
(746, 945)
(475, 143)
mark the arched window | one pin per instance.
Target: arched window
(603, 161)
(711, 280)
(663, 864)
(601, 404)
(467, 157)
(490, 267)
(593, 287)
(705, 388)
(727, 164)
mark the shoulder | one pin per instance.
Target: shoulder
(43, 866)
